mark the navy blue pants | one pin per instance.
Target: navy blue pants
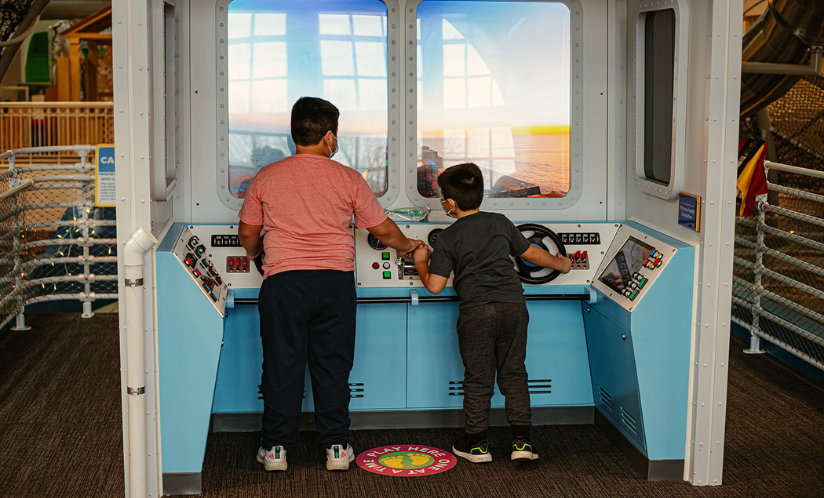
(307, 315)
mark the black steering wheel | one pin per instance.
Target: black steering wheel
(544, 238)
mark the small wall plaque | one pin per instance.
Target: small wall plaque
(689, 211)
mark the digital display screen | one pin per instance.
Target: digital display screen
(618, 273)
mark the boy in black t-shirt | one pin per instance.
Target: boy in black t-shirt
(493, 320)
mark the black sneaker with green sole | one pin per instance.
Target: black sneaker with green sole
(522, 450)
(475, 452)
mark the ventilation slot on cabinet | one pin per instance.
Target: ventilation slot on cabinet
(539, 386)
(456, 388)
(629, 421)
(356, 390)
(606, 399)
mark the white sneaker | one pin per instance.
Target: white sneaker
(338, 457)
(274, 459)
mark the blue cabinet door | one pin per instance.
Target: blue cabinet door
(378, 378)
(614, 379)
(434, 367)
(556, 355)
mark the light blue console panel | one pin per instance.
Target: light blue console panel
(640, 358)
(377, 381)
(189, 337)
(556, 360)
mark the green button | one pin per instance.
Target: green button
(634, 293)
(385, 255)
(641, 283)
(387, 274)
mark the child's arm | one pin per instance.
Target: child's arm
(433, 283)
(538, 256)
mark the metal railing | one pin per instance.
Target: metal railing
(778, 294)
(49, 124)
(55, 244)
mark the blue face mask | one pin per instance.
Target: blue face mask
(449, 212)
(333, 152)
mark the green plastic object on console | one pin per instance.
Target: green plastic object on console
(409, 213)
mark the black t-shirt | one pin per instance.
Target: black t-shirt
(477, 248)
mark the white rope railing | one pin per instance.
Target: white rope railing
(52, 247)
(779, 251)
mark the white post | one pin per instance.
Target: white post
(18, 266)
(87, 202)
(87, 309)
(21, 321)
(755, 341)
(140, 242)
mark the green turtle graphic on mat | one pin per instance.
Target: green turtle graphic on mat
(406, 460)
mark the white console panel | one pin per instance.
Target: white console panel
(223, 250)
(632, 264)
(381, 267)
(213, 236)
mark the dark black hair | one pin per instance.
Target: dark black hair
(464, 184)
(311, 119)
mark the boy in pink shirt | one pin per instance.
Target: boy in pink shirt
(305, 203)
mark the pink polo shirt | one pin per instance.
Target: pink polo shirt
(305, 203)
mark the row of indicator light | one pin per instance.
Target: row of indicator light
(580, 238)
(225, 241)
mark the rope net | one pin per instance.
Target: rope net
(12, 13)
(791, 272)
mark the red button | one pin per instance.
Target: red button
(375, 265)
(585, 255)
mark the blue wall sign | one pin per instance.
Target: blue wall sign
(689, 211)
(105, 190)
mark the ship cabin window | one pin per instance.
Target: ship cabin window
(281, 50)
(659, 65)
(660, 102)
(493, 85)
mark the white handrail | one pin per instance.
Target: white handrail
(48, 105)
(14, 190)
(794, 169)
(73, 244)
(762, 303)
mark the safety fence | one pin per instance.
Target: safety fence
(50, 124)
(55, 244)
(778, 294)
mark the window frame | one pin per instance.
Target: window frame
(679, 105)
(576, 140)
(393, 104)
(166, 105)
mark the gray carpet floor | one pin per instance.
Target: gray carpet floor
(60, 435)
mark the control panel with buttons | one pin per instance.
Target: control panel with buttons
(379, 266)
(237, 264)
(632, 264)
(196, 259)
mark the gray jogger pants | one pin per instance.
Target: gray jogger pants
(492, 337)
